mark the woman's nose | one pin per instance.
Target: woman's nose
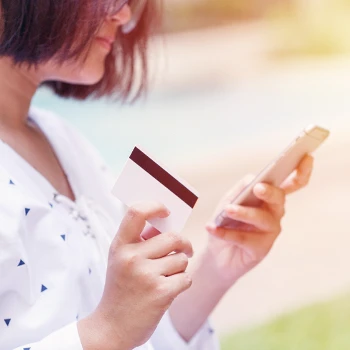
(123, 16)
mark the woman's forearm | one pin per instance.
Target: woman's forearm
(191, 309)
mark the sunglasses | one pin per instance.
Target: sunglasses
(136, 6)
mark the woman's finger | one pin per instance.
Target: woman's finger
(149, 232)
(260, 218)
(300, 177)
(171, 264)
(177, 283)
(273, 197)
(233, 192)
(164, 244)
(135, 221)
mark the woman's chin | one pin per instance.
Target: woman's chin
(90, 79)
(86, 76)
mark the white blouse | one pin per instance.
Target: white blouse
(53, 251)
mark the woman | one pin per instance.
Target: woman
(59, 287)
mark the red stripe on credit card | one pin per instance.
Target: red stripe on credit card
(162, 176)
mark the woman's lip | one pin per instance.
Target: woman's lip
(104, 42)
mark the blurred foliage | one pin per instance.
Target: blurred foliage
(320, 327)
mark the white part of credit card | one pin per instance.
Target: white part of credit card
(143, 179)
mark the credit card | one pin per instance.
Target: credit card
(144, 179)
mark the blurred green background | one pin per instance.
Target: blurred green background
(318, 327)
(232, 83)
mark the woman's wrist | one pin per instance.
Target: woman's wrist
(94, 335)
(191, 309)
(219, 279)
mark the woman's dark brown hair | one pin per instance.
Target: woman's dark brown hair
(35, 31)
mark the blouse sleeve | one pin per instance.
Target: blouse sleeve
(166, 337)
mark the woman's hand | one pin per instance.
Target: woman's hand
(235, 252)
(142, 282)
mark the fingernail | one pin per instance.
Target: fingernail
(210, 227)
(232, 208)
(261, 189)
(166, 213)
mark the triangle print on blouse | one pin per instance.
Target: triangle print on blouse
(21, 262)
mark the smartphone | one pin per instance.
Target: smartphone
(278, 170)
